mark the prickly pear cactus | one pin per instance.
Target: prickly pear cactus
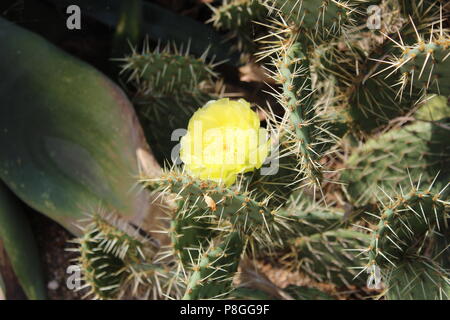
(117, 262)
(386, 162)
(214, 270)
(242, 19)
(350, 185)
(404, 246)
(404, 223)
(418, 279)
(168, 70)
(424, 65)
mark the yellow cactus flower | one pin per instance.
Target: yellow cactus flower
(224, 139)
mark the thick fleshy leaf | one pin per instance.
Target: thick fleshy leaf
(69, 136)
(18, 240)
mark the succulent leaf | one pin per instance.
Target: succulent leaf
(18, 239)
(78, 136)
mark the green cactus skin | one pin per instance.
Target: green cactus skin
(428, 65)
(241, 18)
(302, 217)
(236, 14)
(166, 71)
(297, 93)
(116, 262)
(418, 279)
(434, 109)
(384, 162)
(366, 102)
(213, 273)
(189, 230)
(373, 103)
(102, 273)
(327, 256)
(307, 218)
(244, 213)
(319, 17)
(291, 224)
(297, 100)
(403, 225)
(314, 221)
(278, 187)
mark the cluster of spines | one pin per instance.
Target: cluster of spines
(214, 198)
(234, 14)
(306, 217)
(316, 242)
(417, 278)
(304, 131)
(367, 102)
(278, 187)
(208, 232)
(369, 98)
(425, 12)
(321, 19)
(424, 66)
(214, 269)
(189, 230)
(116, 261)
(103, 274)
(326, 256)
(240, 17)
(404, 228)
(392, 159)
(297, 128)
(170, 70)
(205, 250)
